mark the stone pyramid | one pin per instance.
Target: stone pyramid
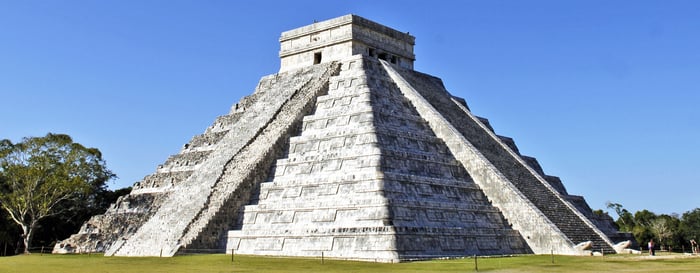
(348, 153)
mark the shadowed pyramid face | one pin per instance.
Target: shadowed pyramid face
(348, 152)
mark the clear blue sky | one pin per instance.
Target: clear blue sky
(604, 93)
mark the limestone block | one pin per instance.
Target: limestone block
(313, 244)
(268, 243)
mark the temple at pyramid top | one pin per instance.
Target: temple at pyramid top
(342, 37)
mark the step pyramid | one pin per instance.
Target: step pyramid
(348, 153)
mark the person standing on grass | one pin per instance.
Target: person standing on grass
(651, 247)
(694, 246)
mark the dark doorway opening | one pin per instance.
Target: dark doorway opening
(317, 58)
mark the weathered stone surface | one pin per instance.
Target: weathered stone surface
(342, 37)
(348, 153)
(192, 189)
(366, 161)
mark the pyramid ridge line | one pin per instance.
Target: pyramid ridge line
(543, 181)
(494, 173)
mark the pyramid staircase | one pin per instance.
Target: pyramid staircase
(200, 204)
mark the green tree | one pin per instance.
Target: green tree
(642, 226)
(690, 226)
(625, 220)
(665, 228)
(644, 218)
(40, 174)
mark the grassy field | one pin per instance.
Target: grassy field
(222, 263)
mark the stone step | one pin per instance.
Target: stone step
(205, 141)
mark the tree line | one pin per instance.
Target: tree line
(672, 232)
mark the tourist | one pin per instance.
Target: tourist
(694, 246)
(651, 247)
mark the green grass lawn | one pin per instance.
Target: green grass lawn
(222, 263)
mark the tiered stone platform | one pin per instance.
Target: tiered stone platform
(348, 153)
